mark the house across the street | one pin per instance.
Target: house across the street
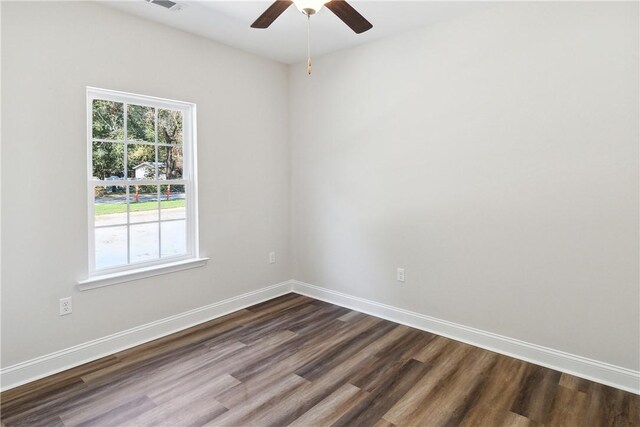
(147, 170)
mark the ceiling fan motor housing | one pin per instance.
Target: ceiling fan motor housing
(309, 7)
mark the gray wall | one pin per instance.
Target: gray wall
(50, 53)
(495, 157)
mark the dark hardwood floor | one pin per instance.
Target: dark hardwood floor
(298, 361)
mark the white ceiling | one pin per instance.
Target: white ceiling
(229, 22)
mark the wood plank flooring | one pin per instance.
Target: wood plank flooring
(302, 362)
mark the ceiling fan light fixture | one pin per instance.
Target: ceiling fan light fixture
(309, 7)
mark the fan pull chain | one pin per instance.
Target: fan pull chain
(309, 44)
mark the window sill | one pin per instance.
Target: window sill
(141, 273)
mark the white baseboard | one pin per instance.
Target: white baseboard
(615, 376)
(31, 370)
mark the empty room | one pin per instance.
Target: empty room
(320, 213)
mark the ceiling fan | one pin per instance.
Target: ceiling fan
(340, 8)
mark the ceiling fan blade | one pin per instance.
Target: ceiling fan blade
(271, 13)
(349, 16)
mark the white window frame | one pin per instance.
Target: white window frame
(103, 277)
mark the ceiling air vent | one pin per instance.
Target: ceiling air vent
(167, 4)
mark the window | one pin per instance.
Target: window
(141, 182)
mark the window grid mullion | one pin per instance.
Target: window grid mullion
(115, 141)
(158, 187)
(122, 182)
(139, 223)
(126, 175)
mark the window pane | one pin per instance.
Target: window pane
(172, 202)
(144, 242)
(141, 123)
(111, 247)
(108, 120)
(110, 205)
(169, 162)
(108, 160)
(174, 238)
(169, 127)
(141, 161)
(143, 203)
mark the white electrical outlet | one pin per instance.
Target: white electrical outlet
(65, 306)
(400, 275)
(272, 257)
